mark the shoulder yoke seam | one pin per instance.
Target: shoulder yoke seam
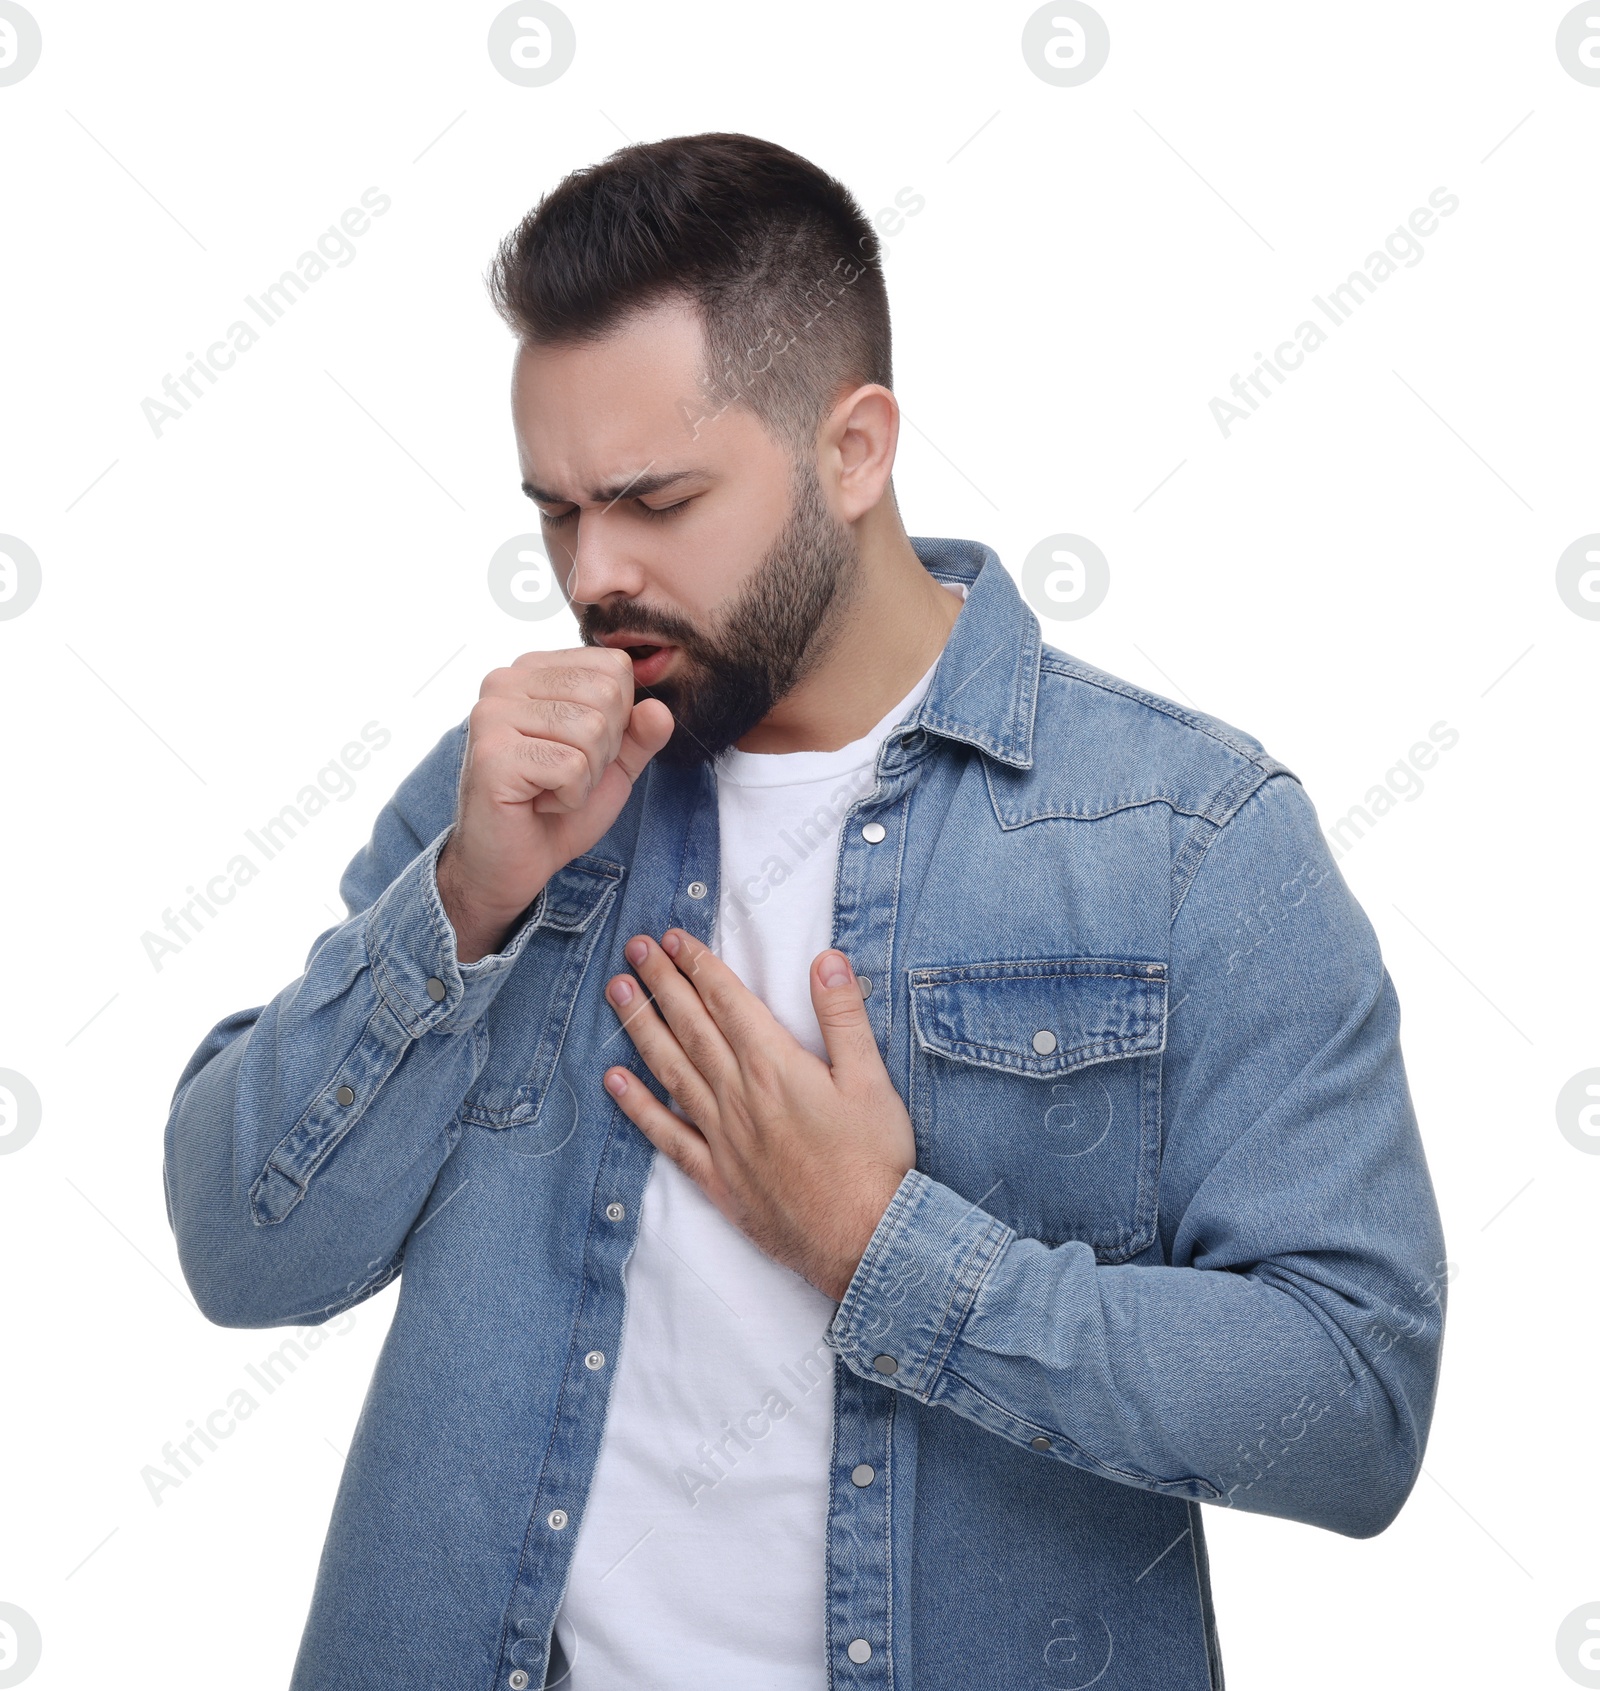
(1059, 664)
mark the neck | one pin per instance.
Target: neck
(877, 644)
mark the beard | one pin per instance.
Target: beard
(774, 634)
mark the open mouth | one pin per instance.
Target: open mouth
(650, 661)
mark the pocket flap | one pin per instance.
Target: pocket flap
(571, 896)
(1041, 1016)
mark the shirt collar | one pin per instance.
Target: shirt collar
(986, 682)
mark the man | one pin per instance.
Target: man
(1037, 1156)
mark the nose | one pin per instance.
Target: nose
(593, 564)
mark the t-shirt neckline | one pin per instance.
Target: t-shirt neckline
(782, 769)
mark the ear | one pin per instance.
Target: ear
(856, 445)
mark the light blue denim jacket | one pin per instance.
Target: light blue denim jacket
(1170, 1238)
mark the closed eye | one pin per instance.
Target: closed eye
(560, 519)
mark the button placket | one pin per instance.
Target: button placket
(861, 1596)
(680, 854)
(859, 1529)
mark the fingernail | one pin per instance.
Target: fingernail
(636, 951)
(835, 970)
(670, 944)
(621, 991)
(617, 1083)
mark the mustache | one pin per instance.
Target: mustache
(594, 628)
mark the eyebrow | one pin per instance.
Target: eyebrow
(635, 487)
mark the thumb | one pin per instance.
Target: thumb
(842, 1014)
(649, 728)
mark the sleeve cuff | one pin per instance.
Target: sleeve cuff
(412, 947)
(915, 1284)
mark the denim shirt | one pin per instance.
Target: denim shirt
(1170, 1238)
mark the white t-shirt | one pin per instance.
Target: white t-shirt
(699, 1558)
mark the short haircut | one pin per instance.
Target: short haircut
(777, 257)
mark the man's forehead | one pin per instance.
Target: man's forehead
(661, 336)
(639, 423)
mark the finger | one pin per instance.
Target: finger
(685, 1011)
(535, 685)
(649, 728)
(670, 1135)
(602, 674)
(544, 724)
(582, 698)
(748, 1028)
(557, 749)
(664, 1056)
(842, 1016)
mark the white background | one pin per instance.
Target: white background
(224, 606)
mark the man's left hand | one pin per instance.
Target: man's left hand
(799, 1154)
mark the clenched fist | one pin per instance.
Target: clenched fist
(554, 745)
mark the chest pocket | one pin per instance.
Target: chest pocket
(1036, 1093)
(529, 1018)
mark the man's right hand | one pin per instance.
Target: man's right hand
(554, 745)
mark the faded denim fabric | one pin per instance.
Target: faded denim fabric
(1170, 1240)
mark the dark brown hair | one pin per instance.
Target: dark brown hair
(776, 256)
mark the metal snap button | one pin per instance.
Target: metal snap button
(873, 832)
(885, 1364)
(696, 889)
(865, 983)
(436, 988)
(345, 1095)
(557, 1518)
(615, 1212)
(595, 1359)
(1044, 1042)
(859, 1650)
(1040, 1443)
(863, 1473)
(518, 1681)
